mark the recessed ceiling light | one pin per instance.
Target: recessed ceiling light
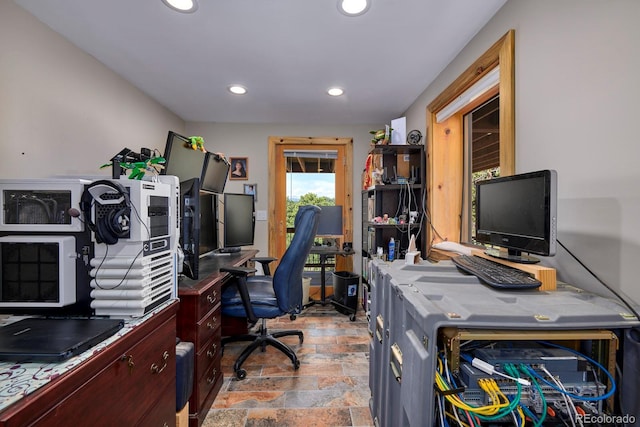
(237, 89)
(335, 91)
(185, 6)
(353, 7)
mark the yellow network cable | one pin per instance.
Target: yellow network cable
(460, 404)
(501, 405)
(499, 394)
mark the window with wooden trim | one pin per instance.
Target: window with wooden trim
(448, 185)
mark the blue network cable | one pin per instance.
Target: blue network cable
(574, 396)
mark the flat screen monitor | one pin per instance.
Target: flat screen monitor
(181, 160)
(239, 220)
(330, 221)
(190, 226)
(518, 213)
(208, 224)
(216, 171)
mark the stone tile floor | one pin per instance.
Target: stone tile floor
(329, 389)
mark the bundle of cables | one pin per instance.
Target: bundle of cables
(502, 406)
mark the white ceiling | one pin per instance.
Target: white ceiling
(286, 52)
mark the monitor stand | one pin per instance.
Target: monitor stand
(512, 255)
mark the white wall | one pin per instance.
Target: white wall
(577, 63)
(61, 111)
(251, 140)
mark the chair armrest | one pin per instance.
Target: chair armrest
(241, 273)
(265, 261)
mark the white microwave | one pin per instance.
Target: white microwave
(39, 205)
(37, 271)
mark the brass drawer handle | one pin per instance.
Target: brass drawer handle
(211, 353)
(212, 324)
(129, 360)
(212, 379)
(213, 297)
(154, 367)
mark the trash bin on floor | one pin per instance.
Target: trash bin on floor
(345, 292)
(306, 283)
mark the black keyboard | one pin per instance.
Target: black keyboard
(494, 274)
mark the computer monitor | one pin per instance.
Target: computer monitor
(208, 224)
(190, 226)
(181, 160)
(216, 171)
(330, 221)
(239, 220)
(518, 213)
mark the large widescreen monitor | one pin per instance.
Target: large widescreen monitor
(208, 224)
(190, 226)
(199, 225)
(239, 220)
(518, 213)
(214, 176)
(181, 160)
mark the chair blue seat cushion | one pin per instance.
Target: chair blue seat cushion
(263, 299)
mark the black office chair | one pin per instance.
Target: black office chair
(269, 297)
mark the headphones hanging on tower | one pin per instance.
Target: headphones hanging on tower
(112, 218)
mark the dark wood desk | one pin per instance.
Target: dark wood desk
(129, 380)
(199, 322)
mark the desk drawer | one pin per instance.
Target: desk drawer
(209, 300)
(207, 370)
(208, 354)
(207, 327)
(163, 413)
(211, 379)
(131, 383)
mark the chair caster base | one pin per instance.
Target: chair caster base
(241, 374)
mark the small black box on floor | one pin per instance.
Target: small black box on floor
(345, 291)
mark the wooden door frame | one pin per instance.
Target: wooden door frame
(276, 184)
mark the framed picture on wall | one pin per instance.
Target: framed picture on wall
(252, 189)
(239, 168)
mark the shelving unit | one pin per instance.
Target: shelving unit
(402, 190)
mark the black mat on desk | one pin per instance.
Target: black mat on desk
(53, 340)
